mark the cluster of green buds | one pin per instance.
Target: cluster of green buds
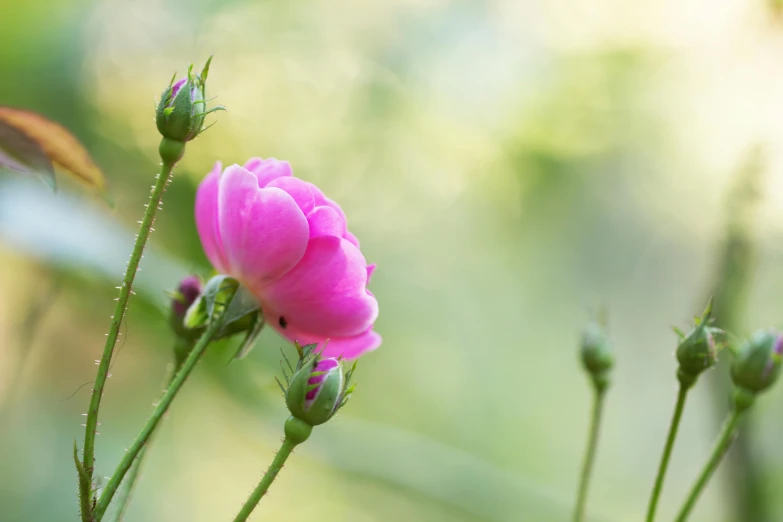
(315, 390)
(755, 366)
(181, 111)
(195, 305)
(597, 354)
(697, 350)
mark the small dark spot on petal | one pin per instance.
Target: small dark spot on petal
(282, 322)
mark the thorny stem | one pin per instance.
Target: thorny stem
(592, 443)
(721, 446)
(157, 414)
(296, 432)
(270, 475)
(667, 451)
(171, 152)
(128, 485)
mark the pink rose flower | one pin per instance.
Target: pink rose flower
(290, 246)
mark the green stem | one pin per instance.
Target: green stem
(266, 481)
(157, 414)
(720, 449)
(167, 148)
(592, 443)
(667, 451)
(296, 432)
(183, 346)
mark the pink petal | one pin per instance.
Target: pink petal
(370, 270)
(324, 294)
(207, 219)
(268, 169)
(346, 347)
(324, 221)
(264, 232)
(352, 347)
(353, 239)
(323, 201)
(317, 194)
(297, 189)
(328, 202)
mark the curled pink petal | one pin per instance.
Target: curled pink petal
(350, 237)
(324, 221)
(346, 347)
(207, 219)
(268, 169)
(297, 189)
(370, 270)
(264, 232)
(324, 294)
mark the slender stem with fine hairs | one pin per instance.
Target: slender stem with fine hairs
(296, 432)
(266, 481)
(592, 443)
(157, 415)
(667, 451)
(119, 310)
(721, 447)
(128, 484)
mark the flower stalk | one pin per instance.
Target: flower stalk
(598, 360)
(696, 352)
(179, 119)
(314, 391)
(755, 368)
(173, 152)
(728, 433)
(679, 407)
(297, 431)
(129, 484)
(160, 409)
(592, 443)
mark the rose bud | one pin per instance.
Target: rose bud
(316, 391)
(756, 364)
(698, 350)
(597, 356)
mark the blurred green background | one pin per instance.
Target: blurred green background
(510, 166)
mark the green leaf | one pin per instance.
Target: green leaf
(241, 304)
(85, 491)
(217, 293)
(57, 143)
(250, 337)
(20, 153)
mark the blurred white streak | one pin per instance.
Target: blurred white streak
(67, 232)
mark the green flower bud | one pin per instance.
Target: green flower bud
(316, 390)
(188, 291)
(597, 356)
(698, 350)
(756, 363)
(182, 108)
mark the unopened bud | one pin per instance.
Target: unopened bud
(597, 354)
(187, 292)
(756, 363)
(698, 350)
(183, 107)
(316, 391)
